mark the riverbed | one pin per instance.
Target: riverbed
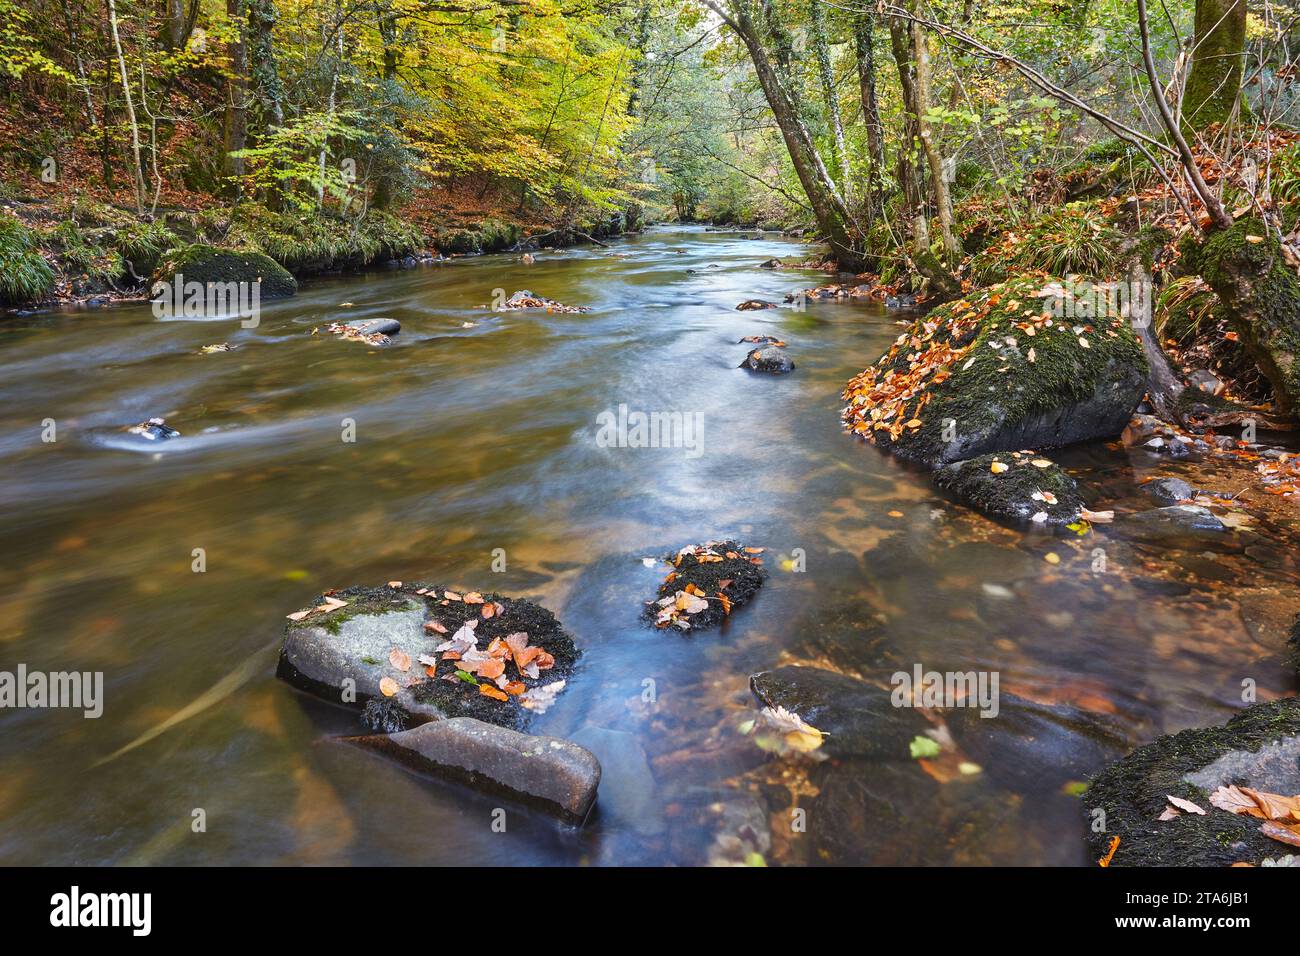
(476, 464)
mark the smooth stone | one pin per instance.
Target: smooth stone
(375, 326)
(550, 774)
(1173, 521)
(629, 782)
(1169, 490)
(858, 718)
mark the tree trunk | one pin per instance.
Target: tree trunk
(933, 153)
(832, 215)
(826, 73)
(262, 17)
(1214, 83)
(235, 132)
(864, 41)
(137, 170)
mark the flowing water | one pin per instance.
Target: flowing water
(470, 439)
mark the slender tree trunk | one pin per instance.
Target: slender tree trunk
(864, 42)
(933, 152)
(826, 72)
(1214, 84)
(236, 118)
(262, 17)
(909, 183)
(137, 170)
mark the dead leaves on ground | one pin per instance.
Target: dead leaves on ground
(1280, 814)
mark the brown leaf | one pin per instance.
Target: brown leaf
(399, 659)
(488, 690)
(388, 687)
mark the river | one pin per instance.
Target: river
(475, 438)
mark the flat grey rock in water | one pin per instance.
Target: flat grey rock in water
(1169, 490)
(375, 326)
(1175, 521)
(547, 773)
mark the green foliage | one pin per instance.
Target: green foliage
(25, 276)
(83, 252)
(309, 243)
(1074, 239)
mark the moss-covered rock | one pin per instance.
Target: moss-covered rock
(1258, 748)
(1003, 369)
(352, 642)
(1245, 268)
(209, 264)
(1014, 486)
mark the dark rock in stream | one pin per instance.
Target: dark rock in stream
(375, 326)
(721, 575)
(1021, 491)
(1258, 748)
(553, 775)
(771, 264)
(1027, 746)
(858, 719)
(1169, 490)
(754, 305)
(770, 358)
(209, 265)
(342, 654)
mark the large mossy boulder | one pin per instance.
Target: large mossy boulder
(210, 264)
(1259, 748)
(393, 652)
(1009, 367)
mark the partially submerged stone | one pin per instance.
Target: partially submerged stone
(209, 264)
(754, 305)
(858, 719)
(1174, 521)
(1258, 748)
(375, 326)
(1169, 490)
(524, 299)
(154, 429)
(345, 653)
(996, 371)
(550, 774)
(708, 581)
(1016, 486)
(769, 358)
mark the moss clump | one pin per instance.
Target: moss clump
(1014, 486)
(25, 276)
(320, 243)
(970, 378)
(1133, 793)
(208, 264)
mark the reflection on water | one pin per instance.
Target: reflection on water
(471, 439)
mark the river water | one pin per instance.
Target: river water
(476, 431)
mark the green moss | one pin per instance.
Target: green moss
(993, 385)
(25, 276)
(1133, 793)
(205, 264)
(306, 244)
(1009, 494)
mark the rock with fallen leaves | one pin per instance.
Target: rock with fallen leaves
(1146, 795)
(1016, 486)
(998, 371)
(547, 773)
(771, 359)
(525, 299)
(431, 651)
(850, 717)
(755, 305)
(705, 584)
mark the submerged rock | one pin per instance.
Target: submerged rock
(858, 719)
(769, 358)
(754, 305)
(209, 264)
(996, 372)
(1174, 521)
(367, 644)
(707, 583)
(1028, 744)
(1014, 487)
(550, 774)
(1258, 748)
